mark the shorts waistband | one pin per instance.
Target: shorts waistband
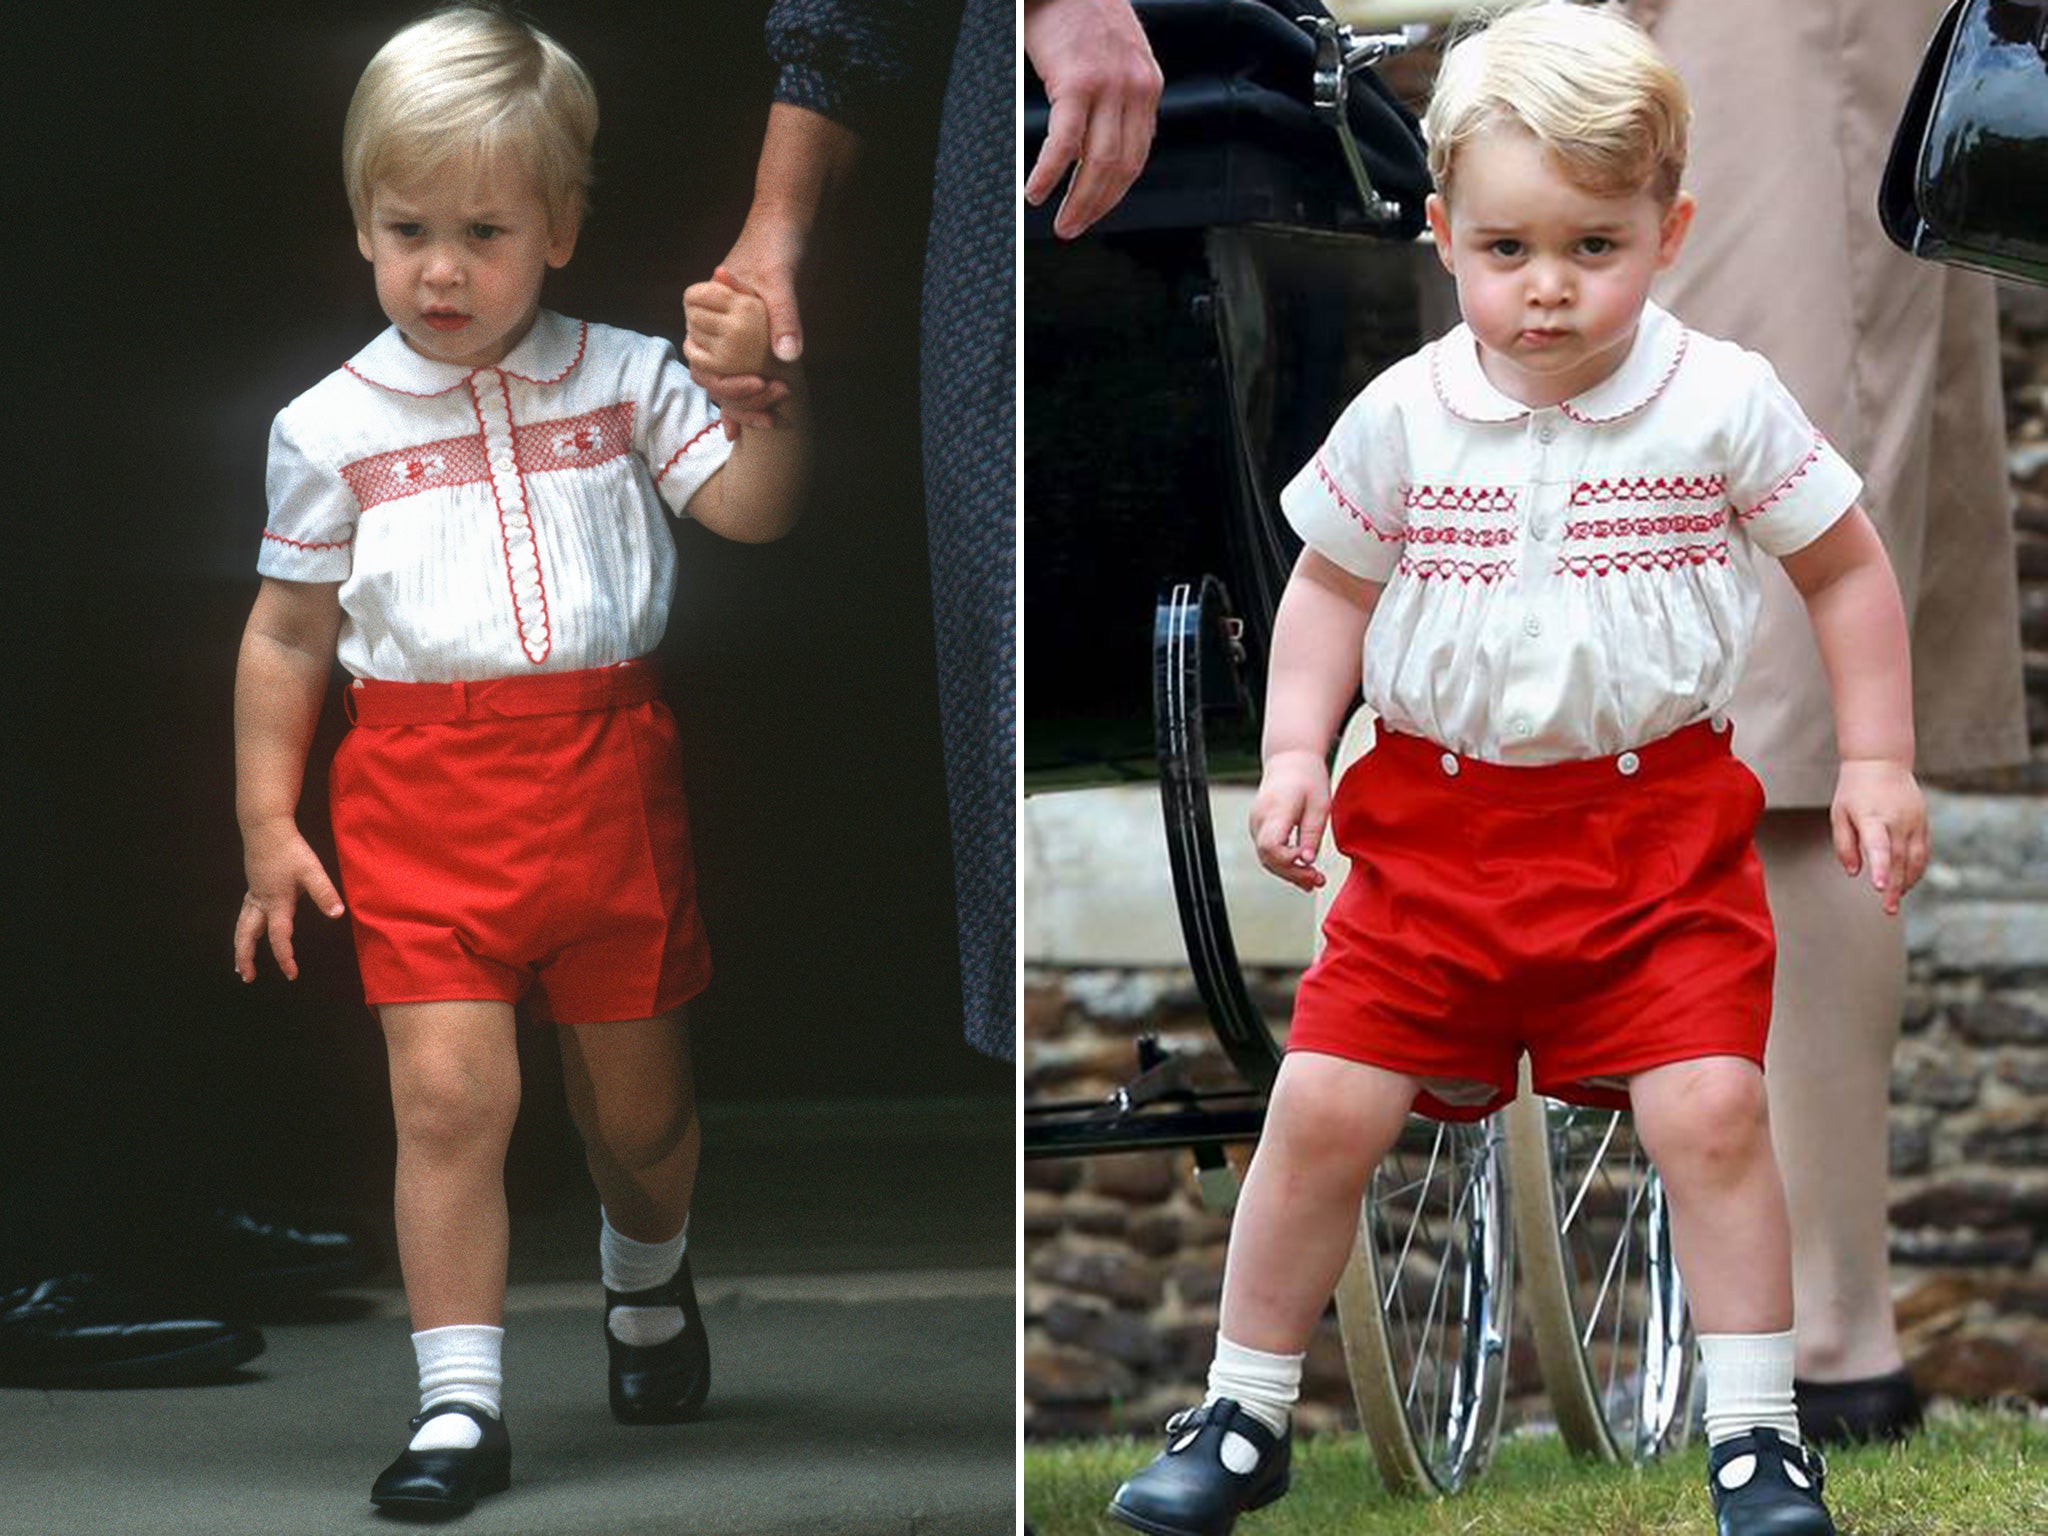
(377, 704)
(1685, 749)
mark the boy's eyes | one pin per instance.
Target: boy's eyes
(409, 229)
(1592, 245)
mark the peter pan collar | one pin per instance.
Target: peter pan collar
(1465, 391)
(547, 354)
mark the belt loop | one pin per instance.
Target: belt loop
(461, 698)
(348, 698)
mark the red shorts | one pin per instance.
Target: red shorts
(525, 834)
(1606, 916)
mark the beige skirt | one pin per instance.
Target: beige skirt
(1895, 359)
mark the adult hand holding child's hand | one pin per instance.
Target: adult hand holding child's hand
(728, 353)
(1288, 815)
(279, 863)
(1880, 819)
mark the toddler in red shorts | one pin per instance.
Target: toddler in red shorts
(471, 514)
(1532, 544)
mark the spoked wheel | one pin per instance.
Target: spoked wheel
(1425, 1301)
(1600, 1279)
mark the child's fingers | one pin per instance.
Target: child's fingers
(715, 296)
(248, 929)
(1877, 852)
(280, 925)
(322, 890)
(1846, 850)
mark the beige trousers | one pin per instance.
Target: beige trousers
(1896, 361)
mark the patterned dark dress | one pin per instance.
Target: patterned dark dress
(841, 58)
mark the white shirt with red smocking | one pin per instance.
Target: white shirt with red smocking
(1576, 580)
(486, 522)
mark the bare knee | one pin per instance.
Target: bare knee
(446, 1110)
(1320, 1121)
(1709, 1121)
(636, 1137)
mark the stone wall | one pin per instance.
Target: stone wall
(1124, 1266)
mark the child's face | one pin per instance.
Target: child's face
(1551, 279)
(459, 260)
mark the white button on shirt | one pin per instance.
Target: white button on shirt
(1635, 536)
(493, 521)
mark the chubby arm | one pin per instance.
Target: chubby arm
(280, 678)
(1859, 622)
(1310, 682)
(755, 495)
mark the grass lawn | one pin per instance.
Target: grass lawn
(1979, 1473)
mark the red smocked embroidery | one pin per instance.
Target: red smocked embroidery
(1446, 533)
(676, 457)
(1786, 484)
(1443, 567)
(574, 442)
(1642, 527)
(1470, 499)
(1600, 493)
(311, 543)
(407, 471)
(1669, 558)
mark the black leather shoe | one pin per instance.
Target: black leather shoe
(447, 1482)
(1764, 1487)
(1189, 1491)
(659, 1383)
(77, 1331)
(233, 1254)
(1870, 1408)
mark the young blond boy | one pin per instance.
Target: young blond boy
(1531, 544)
(471, 515)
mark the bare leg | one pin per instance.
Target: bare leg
(455, 1094)
(630, 1091)
(1328, 1124)
(1840, 988)
(1706, 1126)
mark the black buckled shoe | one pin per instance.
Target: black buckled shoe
(1764, 1487)
(1871, 1408)
(448, 1481)
(78, 1331)
(1189, 1490)
(659, 1383)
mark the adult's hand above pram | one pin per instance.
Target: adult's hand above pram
(1103, 86)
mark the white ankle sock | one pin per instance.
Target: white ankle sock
(459, 1362)
(1263, 1385)
(1749, 1384)
(630, 1265)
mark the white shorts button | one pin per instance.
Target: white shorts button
(1449, 763)
(1520, 725)
(1628, 762)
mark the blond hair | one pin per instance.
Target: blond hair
(1588, 84)
(471, 82)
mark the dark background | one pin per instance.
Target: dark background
(180, 263)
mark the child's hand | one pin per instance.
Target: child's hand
(1288, 814)
(728, 353)
(279, 864)
(1880, 818)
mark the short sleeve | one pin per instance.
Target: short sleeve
(1785, 481)
(684, 445)
(1346, 501)
(310, 534)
